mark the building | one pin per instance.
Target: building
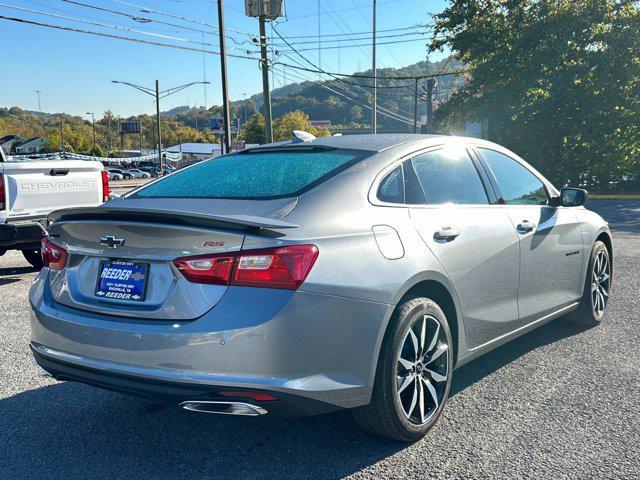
(9, 142)
(193, 152)
(34, 145)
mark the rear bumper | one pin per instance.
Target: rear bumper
(174, 393)
(21, 235)
(314, 352)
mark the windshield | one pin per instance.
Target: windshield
(257, 175)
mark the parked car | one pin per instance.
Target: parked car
(153, 171)
(119, 172)
(115, 175)
(137, 173)
(31, 190)
(352, 272)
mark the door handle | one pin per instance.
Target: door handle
(58, 172)
(446, 234)
(526, 226)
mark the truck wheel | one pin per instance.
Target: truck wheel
(34, 257)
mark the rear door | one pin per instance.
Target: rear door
(550, 237)
(452, 209)
(35, 189)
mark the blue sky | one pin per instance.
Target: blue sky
(74, 70)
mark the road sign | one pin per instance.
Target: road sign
(130, 126)
(216, 125)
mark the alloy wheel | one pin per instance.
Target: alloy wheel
(600, 283)
(423, 369)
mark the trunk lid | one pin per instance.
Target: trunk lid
(126, 231)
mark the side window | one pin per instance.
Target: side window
(391, 188)
(517, 184)
(448, 176)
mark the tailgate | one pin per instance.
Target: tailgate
(34, 189)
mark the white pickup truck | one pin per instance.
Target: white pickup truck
(30, 190)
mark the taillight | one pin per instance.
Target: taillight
(279, 267)
(53, 256)
(106, 191)
(212, 269)
(257, 396)
(1, 191)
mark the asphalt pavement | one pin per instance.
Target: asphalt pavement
(559, 402)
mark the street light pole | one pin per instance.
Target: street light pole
(159, 132)
(223, 71)
(374, 107)
(157, 94)
(93, 126)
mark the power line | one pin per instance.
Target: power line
(340, 40)
(119, 37)
(104, 25)
(379, 77)
(363, 45)
(345, 9)
(348, 34)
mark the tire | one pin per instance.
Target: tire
(598, 278)
(392, 396)
(34, 257)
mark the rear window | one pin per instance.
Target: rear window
(259, 175)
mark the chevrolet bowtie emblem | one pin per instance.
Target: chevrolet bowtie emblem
(112, 242)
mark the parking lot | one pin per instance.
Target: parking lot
(560, 402)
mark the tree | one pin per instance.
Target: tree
(557, 80)
(284, 126)
(253, 130)
(356, 113)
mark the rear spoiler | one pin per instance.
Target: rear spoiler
(149, 215)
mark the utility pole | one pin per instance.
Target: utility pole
(109, 128)
(93, 126)
(430, 86)
(61, 134)
(319, 44)
(159, 130)
(374, 107)
(415, 107)
(38, 92)
(223, 71)
(266, 94)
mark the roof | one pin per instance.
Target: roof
(8, 138)
(196, 148)
(33, 140)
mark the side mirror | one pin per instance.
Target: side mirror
(571, 197)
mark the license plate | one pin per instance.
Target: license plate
(122, 280)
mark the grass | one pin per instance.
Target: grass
(628, 196)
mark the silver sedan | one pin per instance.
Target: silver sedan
(352, 272)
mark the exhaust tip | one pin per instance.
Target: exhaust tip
(223, 407)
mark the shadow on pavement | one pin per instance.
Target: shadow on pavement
(623, 215)
(4, 272)
(69, 430)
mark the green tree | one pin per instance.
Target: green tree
(557, 80)
(253, 130)
(284, 126)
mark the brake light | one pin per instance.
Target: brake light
(2, 199)
(279, 267)
(211, 269)
(53, 256)
(106, 191)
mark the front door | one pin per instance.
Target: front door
(550, 238)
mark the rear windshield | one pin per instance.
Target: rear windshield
(259, 175)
